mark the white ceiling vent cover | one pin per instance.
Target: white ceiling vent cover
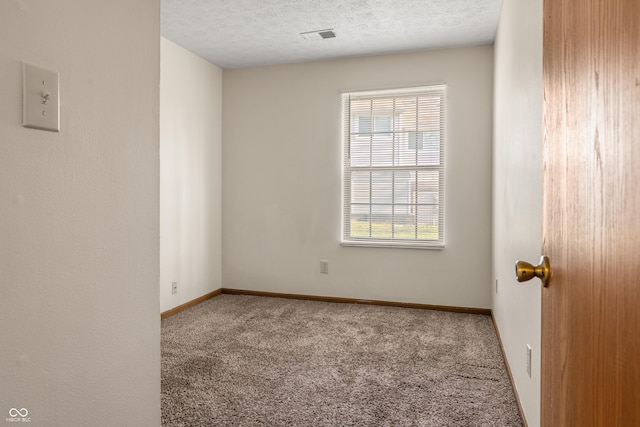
(319, 34)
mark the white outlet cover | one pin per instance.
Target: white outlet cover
(40, 98)
(324, 267)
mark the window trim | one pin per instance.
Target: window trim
(347, 97)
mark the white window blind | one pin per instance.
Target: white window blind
(393, 175)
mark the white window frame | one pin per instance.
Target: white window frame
(398, 135)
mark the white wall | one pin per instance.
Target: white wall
(79, 300)
(282, 186)
(190, 175)
(517, 190)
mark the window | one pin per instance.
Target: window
(393, 175)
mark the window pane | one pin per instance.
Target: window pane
(381, 187)
(405, 218)
(359, 113)
(382, 150)
(364, 124)
(382, 124)
(428, 222)
(406, 111)
(427, 187)
(360, 151)
(404, 187)
(381, 226)
(429, 148)
(429, 116)
(359, 222)
(360, 186)
(406, 149)
(382, 107)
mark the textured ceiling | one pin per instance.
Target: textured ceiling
(242, 33)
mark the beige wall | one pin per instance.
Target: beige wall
(190, 175)
(79, 299)
(282, 189)
(517, 190)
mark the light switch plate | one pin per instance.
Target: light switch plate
(40, 98)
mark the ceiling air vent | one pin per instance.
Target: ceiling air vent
(319, 34)
(328, 34)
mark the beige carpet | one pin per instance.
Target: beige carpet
(258, 361)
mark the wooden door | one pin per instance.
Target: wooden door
(591, 213)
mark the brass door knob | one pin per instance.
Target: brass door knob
(526, 271)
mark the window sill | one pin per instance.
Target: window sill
(399, 245)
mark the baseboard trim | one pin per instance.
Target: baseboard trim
(190, 303)
(506, 364)
(469, 310)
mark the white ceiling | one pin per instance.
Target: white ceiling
(243, 33)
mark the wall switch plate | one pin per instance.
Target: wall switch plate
(324, 267)
(496, 285)
(174, 288)
(40, 98)
(529, 360)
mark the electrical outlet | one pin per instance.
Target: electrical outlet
(324, 267)
(174, 288)
(529, 360)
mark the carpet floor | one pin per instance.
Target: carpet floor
(238, 360)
